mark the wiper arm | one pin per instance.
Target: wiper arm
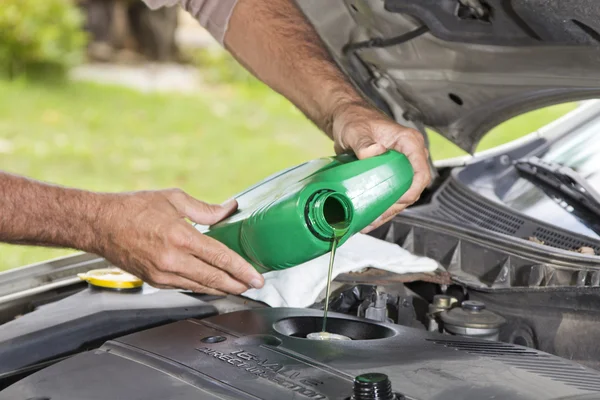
(564, 180)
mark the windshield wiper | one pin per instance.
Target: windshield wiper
(562, 179)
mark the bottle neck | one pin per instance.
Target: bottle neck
(328, 214)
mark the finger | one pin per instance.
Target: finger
(412, 195)
(373, 225)
(363, 144)
(172, 281)
(385, 217)
(206, 275)
(201, 212)
(421, 180)
(419, 162)
(200, 273)
(371, 150)
(220, 256)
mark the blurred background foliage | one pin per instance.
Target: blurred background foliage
(212, 143)
(40, 37)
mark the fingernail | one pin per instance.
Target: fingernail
(228, 203)
(372, 225)
(256, 283)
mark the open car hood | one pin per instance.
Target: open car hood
(476, 63)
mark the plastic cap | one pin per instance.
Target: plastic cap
(472, 305)
(111, 278)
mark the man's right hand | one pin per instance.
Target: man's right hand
(146, 234)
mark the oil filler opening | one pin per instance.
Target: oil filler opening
(302, 327)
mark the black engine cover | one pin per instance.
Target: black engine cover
(260, 354)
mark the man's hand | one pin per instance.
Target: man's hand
(261, 34)
(367, 132)
(146, 233)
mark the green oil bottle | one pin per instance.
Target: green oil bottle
(295, 215)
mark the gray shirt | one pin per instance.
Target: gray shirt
(213, 15)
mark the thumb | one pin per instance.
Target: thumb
(204, 213)
(364, 147)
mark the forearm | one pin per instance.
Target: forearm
(36, 213)
(273, 39)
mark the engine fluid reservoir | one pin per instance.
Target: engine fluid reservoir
(473, 320)
(293, 216)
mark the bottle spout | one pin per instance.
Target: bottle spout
(328, 214)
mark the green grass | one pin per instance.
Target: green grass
(512, 129)
(111, 139)
(212, 144)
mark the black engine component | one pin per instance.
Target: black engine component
(84, 321)
(263, 354)
(390, 303)
(562, 322)
(507, 22)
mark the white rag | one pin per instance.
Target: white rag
(301, 285)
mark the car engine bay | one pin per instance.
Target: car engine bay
(263, 353)
(503, 316)
(431, 335)
(511, 312)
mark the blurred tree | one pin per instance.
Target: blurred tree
(39, 36)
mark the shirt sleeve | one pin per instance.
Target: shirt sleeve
(213, 15)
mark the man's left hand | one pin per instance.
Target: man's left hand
(367, 132)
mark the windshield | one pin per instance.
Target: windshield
(579, 151)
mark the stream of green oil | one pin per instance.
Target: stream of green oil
(339, 230)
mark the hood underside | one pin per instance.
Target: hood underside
(471, 65)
